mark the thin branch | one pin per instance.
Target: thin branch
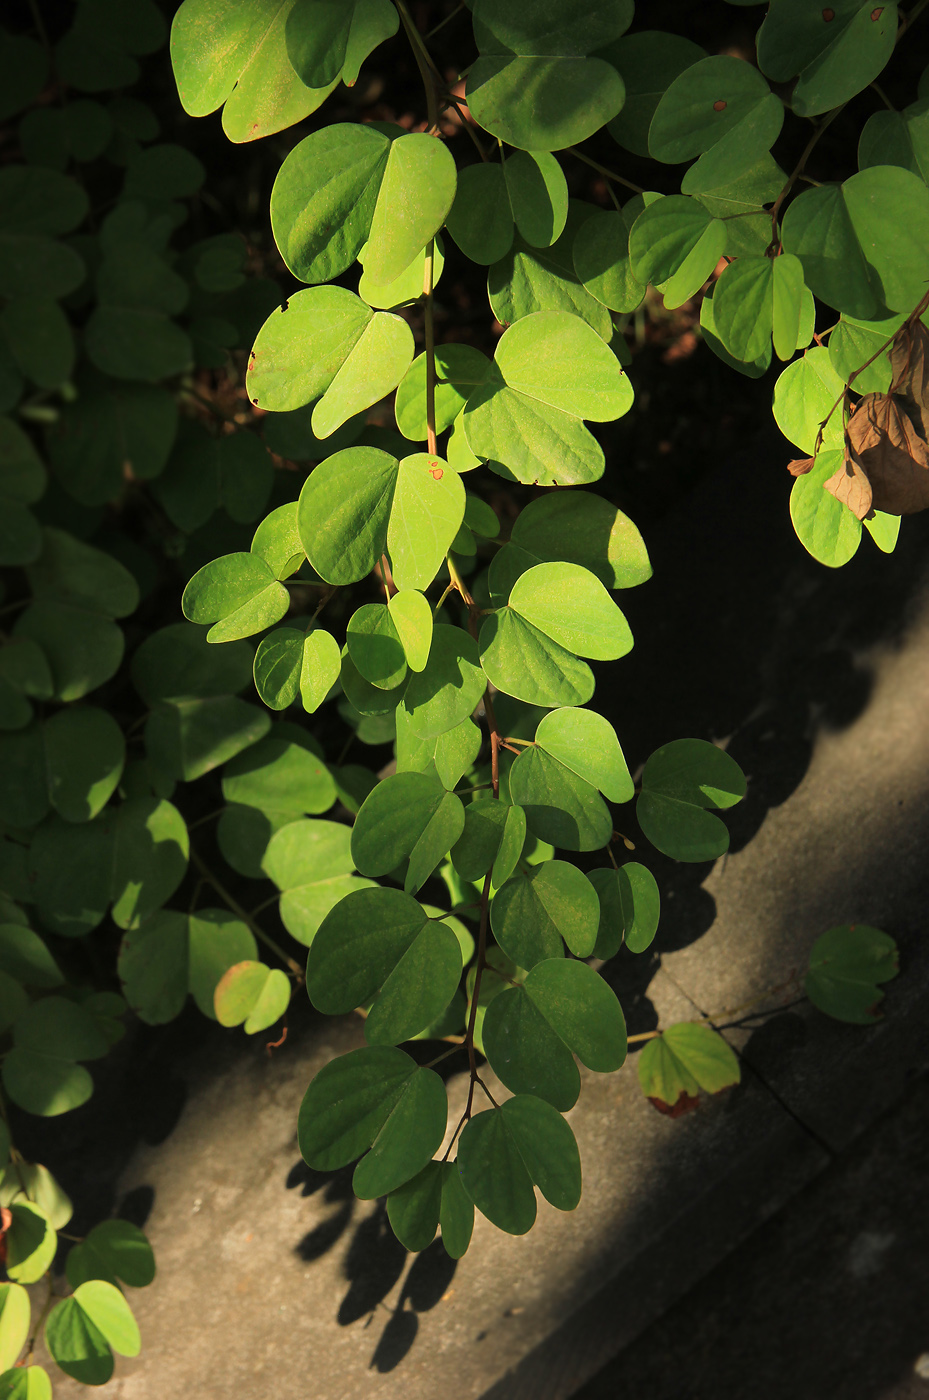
(429, 326)
(604, 170)
(240, 913)
(448, 18)
(799, 168)
(423, 61)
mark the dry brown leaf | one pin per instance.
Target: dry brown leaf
(883, 442)
(909, 360)
(801, 466)
(850, 485)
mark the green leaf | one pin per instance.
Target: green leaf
(825, 527)
(534, 85)
(530, 279)
(897, 138)
(324, 343)
(252, 993)
(25, 956)
(379, 941)
(23, 787)
(753, 369)
(852, 343)
(425, 514)
(847, 964)
(70, 571)
(81, 1331)
(107, 426)
(602, 262)
(412, 619)
(15, 1317)
(456, 1212)
(743, 306)
(535, 910)
(344, 510)
(84, 756)
(373, 1098)
(456, 751)
(277, 541)
(649, 62)
(311, 863)
(459, 369)
(276, 775)
(111, 1251)
(583, 529)
(177, 661)
(586, 743)
(740, 202)
(477, 847)
(34, 200)
(71, 867)
(570, 605)
(320, 670)
(325, 39)
(33, 1182)
(629, 909)
(680, 782)
(416, 193)
(836, 51)
(238, 593)
(413, 1209)
(504, 1152)
(682, 1060)
(187, 738)
(787, 309)
(31, 1240)
(25, 1383)
(408, 287)
(677, 242)
(524, 662)
(279, 665)
(720, 109)
(150, 852)
(24, 72)
(561, 807)
(531, 1030)
(224, 53)
(803, 396)
(367, 699)
(481, 217)
(839, 234)
(174, 953)
(538, 196)
(446, 692)
(407, 815)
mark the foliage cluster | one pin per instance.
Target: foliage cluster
(388, 597)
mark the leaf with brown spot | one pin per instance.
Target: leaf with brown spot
(909, 361)
(886, 446)
(850, 485)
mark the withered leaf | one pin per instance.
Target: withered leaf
(850, 485)
(801, 465)
(684, 1103)
(909, 360)
(883, 442)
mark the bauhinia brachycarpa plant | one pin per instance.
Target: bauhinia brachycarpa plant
(409, 524)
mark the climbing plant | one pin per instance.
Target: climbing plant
(344, 511)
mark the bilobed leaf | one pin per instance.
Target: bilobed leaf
(280, 775)
(833, 52)
(523, 661)
(846, 966)
(70, 571)
(743, 306)
(753, 369)
(150, 852)
(112, 1250)
(677, 242)
(720, 109)
(629, 908)
(224, 53)
(447, 690)
(413, 1209)
(683, 783)
(416, 192)
(311, 864)
(277, 541)
(570, 605)
(278, 667)
(837, 232)
(187, 738)
(685, 1058)
(238, 593)
(325, 344)
(456, 750)
(897, 138)
(583, 529)
(534, 911)
(174, 953)
(25, 956)
(529, 279)
(602, 261)
(504, 1152)
(586, 743)
(84, 756)
(31, 1242)
(408, 287)
(323, 38)
(25, 1383)
(531, 1032)
(407, 815)
(373, 1098)
(252, 993)
(853, 342)
(538, 196)
(82, 1329)
(740, 202)
(534, 85)
(561, 807)
(824, 526)
(374, 646)
(476, 848)
(481, 218)
(380, 944)
(178, 661)
(320, 670)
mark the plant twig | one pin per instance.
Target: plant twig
(429, 328)
(424, 62)
(240, 913)
(605, 170)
